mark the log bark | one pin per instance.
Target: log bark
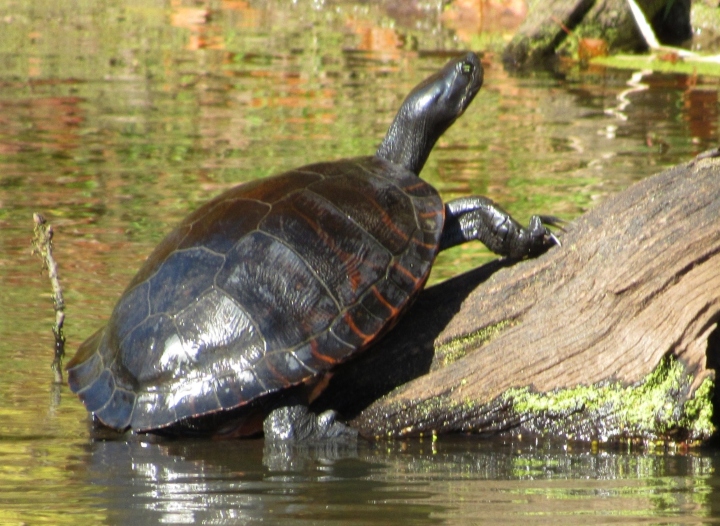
(636, 283)
(547, 24)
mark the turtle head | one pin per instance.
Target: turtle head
(429, 110)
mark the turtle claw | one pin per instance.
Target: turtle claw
(553, 221)
(537, 238)
(554, 239)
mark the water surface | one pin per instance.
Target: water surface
(119, 117)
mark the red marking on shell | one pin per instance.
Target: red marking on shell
(351, 323)
(277, 375)
(429, 213)
(406, 272)
(413, 187)
(353, 274)
(394, 311)
(355, 277)
(315, 351)
(429, 246)
(387, 220)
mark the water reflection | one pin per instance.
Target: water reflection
(204, 482)
(118, 117)
(450, 481)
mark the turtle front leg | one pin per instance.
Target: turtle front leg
(477, 217)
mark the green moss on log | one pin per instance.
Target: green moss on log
(698, 411)
(661, 407)
(653, 408)
(453, 350)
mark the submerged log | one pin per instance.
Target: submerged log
(613, 335)
(548, 26)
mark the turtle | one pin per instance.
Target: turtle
(253, 299)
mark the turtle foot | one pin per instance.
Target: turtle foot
(477, 217)
(296, 424)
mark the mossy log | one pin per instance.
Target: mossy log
(547, 24)
(610, 336)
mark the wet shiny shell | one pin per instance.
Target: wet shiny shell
(268, 285)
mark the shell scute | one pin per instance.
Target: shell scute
(119, 409)
(183, 277)
(286, 300)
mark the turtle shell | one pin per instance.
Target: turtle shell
(267, 286)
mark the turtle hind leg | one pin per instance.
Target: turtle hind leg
(477, 217)
(295, 423)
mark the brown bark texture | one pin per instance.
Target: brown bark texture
(635, 280)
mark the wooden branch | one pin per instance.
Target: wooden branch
(42, 246)
(548, 24)
(627, 304)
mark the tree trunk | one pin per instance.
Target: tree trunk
(611, 335)
(547, 23)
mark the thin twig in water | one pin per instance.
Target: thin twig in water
(42, 245)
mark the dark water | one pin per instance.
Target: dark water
(119, 117)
